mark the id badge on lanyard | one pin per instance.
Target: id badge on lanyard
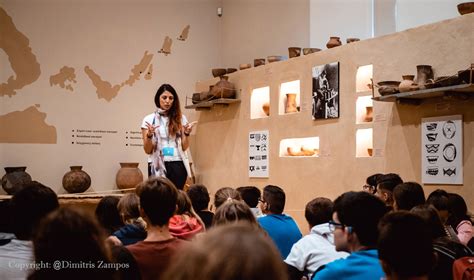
(166, 151)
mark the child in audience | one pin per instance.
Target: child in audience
(185, 224)
(251, 195)
(231, 252)
(134, 229)
(200, 200)
(408, 195)
(385, 185)
(233, 211)
(223, 194)
(459, 219)
(108, 215)
(371, 183)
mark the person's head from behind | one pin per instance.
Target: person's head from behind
(129, 207)
(355, 219)
(439, 199)
(371, 183)
(108, 214)
(199, 196)
(408, 195)
(457, 210)
(29, 205)
(166, 99)
(224, 194)
(318, 211)
(233, 211)
(401, 232)
(184, 205)
(273, 200)
(431, 217)
(71, 236)
(385, 185)
(231, 259)
(158, 199)
(250, 194)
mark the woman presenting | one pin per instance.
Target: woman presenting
(165, 138)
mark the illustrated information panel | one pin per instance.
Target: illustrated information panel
(441, 155)
(258, 154)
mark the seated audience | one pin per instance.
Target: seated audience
(459, 219)
(28, 206)
(439, 200)
(223, 194)
(233, 211)
(251, 195)
(281, 227)
(446, 249)
(158, 199)
(385, 185)
(239, 251)
(108, 215)
(405, 246)
(317, 248)
(77, 242)
(354, 223)
(134, 229)
(408, 195)
(185, 223)
(371, 183)
(200, 200)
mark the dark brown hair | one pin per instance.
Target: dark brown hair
(224, 194)
(233, 211)
(174, 113)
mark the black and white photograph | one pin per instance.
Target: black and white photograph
(326, 91)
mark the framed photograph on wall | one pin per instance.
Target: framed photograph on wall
(325, 104)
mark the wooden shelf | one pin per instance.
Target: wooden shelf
(463, 91)
(207, 105)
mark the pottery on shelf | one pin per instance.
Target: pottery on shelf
(370, 151)
(223, 89)
(76, 180)
(128, 176)
(266, 108)
(294, 51)
(231, 70)
(351, 40)
(466, 8)
(466, 76)
(407, 83)
(245, 66)
(310, 50)
(290, 106)
(216, 72)
(258, 62)
(423, 74)
(333, 42)
(369, 110)
(388, 87)
(274, 58)
(15, 179)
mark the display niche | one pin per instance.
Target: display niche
(364, 143)
(260, 103)
(299, 147)
(289, 98)
(364, 109)
(364, 78)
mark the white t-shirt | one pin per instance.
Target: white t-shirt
(166, 139)
(16, 259)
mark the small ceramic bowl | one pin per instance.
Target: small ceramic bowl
(231, 70)
(245, 66)
(216, 72)
(466, 8)
(310, 50)
(274, 58)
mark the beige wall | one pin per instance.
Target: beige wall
(221, 139)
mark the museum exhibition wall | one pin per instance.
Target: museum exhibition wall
(78, 77)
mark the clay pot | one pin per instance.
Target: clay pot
(76, 180)
(245, 66)
(258, 62)
(231, 70)
(370, 151)
(294, 52)
(128, 176)
(291, 103)
(333, 42)
(466, 8)
(466, 76)
(223, 89)
(310, 50)
(266, 108)
(407, 83)
(15, 179)
(424, 73)
(351, 40)
(274, 58)
(369, 110)
(217, 72)
(388, 87)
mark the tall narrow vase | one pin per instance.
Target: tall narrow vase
(15, 179)
(128, 176)
(290, 106)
